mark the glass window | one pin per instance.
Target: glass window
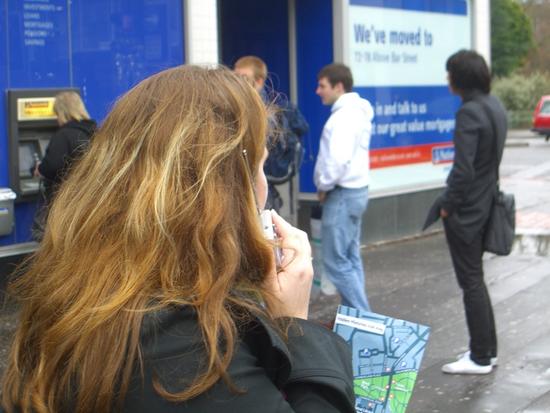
(545, 108)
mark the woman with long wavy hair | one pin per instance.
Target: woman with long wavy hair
(155, 289)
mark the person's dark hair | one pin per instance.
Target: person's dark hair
(336, 73)
(468, 71)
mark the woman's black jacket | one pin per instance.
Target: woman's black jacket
(66, 145)
(309, 373)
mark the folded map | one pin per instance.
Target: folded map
(386, 357)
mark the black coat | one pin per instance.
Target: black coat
(66, 145)
(310, 373)
(472, 181)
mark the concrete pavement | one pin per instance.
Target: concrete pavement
(413, 280)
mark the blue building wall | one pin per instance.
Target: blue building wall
(103, 47)
(4, 173)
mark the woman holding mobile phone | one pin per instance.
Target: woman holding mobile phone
(155, 289)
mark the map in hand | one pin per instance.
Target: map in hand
(386, 357)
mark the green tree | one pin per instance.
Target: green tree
(539, 57)
(511, 36)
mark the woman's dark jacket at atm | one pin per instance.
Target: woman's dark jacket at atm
(308, 373)
(66, 145)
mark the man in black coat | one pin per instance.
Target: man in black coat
(465, 205)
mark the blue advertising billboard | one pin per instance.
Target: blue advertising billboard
(397, 53)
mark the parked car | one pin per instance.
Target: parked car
(541, 117)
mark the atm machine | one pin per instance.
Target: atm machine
(31, 124)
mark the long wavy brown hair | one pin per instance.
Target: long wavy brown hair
(160, 212)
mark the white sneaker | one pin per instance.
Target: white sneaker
(465, 365)
(494, 360)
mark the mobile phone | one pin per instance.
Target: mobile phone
(269, 231)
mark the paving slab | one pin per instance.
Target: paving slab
(413, 280)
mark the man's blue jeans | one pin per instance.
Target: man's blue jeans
(341, 233)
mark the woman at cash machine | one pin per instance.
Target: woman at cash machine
(68, 143)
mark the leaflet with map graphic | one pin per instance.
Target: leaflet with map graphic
(386, 357)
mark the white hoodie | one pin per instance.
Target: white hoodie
(343, 158)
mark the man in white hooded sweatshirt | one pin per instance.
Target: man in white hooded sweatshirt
(342, 179)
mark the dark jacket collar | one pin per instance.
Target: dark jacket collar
(472, 95)
(273, 351)
(86, 126)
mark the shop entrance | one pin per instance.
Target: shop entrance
(260, 28)
(294, 38)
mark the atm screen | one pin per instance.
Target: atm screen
(28, 152)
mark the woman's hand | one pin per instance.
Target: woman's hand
(291, 283)
(36, 172)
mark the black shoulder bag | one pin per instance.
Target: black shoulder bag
(501, 227)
